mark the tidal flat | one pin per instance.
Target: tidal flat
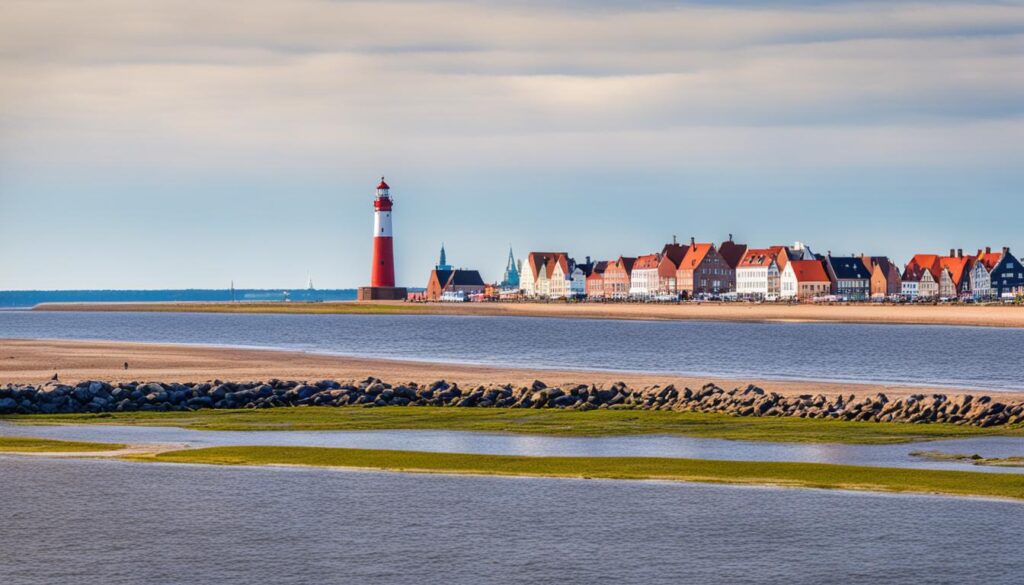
(538, 422)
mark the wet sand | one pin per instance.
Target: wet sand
(995, 315)
(35, 361)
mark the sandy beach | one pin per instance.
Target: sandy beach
(35, 361)
(966, 315)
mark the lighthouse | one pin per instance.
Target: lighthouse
(382, 271)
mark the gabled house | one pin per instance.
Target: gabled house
(643, 279)
(704, 271)
(534, 279)
(1007, 275)
(616, 278)
(668, 267)
(559, 275)
(732, 252)
(851, 280)
(956, 277)
(981, 273)
(804, 280)
(757, 274)
(594, 288)
(921, 277)
(885, 277)
(454, 284)
(436, 283)
(578, 275)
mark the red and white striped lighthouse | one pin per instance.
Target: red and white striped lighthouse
(382, 273)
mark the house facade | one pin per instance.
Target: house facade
(594, 288)
(535, 278)
(453, 285)
(643, 279)
(851, 280)
(1007, 276)
(668, 268)
(920, 281)
(804, 280)
(616, 278)
(885, 277)
(704, 271)
(981, 273)
(757, 275)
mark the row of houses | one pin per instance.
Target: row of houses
(777, 272)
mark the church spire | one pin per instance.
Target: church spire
(443, 260)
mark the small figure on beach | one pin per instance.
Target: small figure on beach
(54, 378)
(126, 365)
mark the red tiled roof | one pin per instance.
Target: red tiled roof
(929, 262)
(958, 267)
(757, 258)
(695, 254)
(989, 259)
(626, 263)
(809, 271)
(674, 253)
(534, 260)
(647, 262)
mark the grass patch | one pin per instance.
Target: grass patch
(808, 475)
(529, 421)
(33, 445)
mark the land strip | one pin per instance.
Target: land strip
(994, 315)
(530, 421)
(804, 475)
(32, 361)
(34, 445)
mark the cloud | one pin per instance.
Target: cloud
(191, 85)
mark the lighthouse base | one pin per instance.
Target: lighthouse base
(381, 293)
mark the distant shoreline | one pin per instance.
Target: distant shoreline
(863, 313)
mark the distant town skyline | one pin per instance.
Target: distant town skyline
(148, 145)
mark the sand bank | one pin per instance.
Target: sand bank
(35, 361)
(966, 315)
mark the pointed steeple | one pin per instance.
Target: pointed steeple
(443, 260)
(511, 279)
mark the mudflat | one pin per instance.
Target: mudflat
(35, 361)
(989, 315)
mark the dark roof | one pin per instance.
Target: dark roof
(732, 252)
(848, 267)
(466, 278)
(442, 277)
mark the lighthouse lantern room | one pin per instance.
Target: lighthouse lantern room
(382, 272)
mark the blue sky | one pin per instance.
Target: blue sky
(185, 144)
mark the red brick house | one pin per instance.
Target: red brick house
(668, 268)
(595, 282)
(616, 278)
(704, 271)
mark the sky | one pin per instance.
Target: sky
(187, 143)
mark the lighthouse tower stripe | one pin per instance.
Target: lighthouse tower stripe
(382, 224)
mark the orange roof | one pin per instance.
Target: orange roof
(929, 262)
(989, 259)
(757, 258)
(695, 254)
(646, 262)
(958, 267)
(809, 271)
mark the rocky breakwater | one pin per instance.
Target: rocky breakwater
(96, 397)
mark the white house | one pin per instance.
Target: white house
(535, 278)
(757, 274)
(643, 279)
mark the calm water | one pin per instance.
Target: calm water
(117, 523)
(538, 445)
(992, 358)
